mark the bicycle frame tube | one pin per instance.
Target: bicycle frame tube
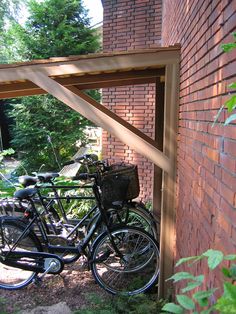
(58, 198)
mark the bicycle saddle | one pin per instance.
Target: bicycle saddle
(28, 180)
(25, 193)
(46, 177)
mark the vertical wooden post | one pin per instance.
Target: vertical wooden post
(158, 133)
(167, 237)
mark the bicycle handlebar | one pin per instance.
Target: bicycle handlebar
(87, 157)
(89, 160)
(85, 176)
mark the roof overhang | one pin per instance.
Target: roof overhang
(65, 77)
(88, 71)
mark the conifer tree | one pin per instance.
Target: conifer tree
(46, 130)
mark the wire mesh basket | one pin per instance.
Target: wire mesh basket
(120, 183)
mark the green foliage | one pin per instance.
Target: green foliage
(214, 258)
(229, 46)
(226, 303)
(4, 153)
(10, 14)
(138, 304)
(53, 28)
(7, 188)
(75, 208)
(173, 308)
(57, 28)
(45, 130)
(230, 104)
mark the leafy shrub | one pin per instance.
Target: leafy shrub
(225, 304)
(230, 104)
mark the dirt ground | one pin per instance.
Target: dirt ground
(73, 286)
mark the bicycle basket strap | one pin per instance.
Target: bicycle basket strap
(120, 183)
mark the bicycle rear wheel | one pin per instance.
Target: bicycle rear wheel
(136, 269)
(12, 278)
(136, 216)
(133, 216)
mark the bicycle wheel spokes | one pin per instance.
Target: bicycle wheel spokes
(138, 268)
(12, 277)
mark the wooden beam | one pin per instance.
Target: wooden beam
(168, 229)
(104, 80)
(158, 132)
(38, 91)
(97, 64)
(103, 117)
(22, 93)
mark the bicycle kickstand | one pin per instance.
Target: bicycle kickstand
(52, 265)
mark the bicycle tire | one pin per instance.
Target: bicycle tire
(131, 215)
(12, 278)
(138, 269)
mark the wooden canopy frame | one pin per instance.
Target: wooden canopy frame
(65, 78)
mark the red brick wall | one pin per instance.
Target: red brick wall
(131, 25)
(206, 213)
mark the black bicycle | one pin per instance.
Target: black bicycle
(55, 217)
(123, 259)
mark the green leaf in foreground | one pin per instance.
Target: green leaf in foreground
(226, 272)
(230, 290)
(186, 259)
(230, 257)
(191, 285)
(232, 85)
(203, 296)
(233, 271)
(230, 119)
(181, 276)
(231, 103)
(227, 303)
(172, 308)
(185, 302)
(228, 47)
(214, 258)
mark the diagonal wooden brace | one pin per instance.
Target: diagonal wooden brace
(102, 117)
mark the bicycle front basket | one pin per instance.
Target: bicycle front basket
(120, 183)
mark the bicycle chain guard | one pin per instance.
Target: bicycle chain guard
(32, 261)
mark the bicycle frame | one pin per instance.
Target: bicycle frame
(54, 188)
(76, 250)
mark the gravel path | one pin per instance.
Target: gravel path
(72, 286)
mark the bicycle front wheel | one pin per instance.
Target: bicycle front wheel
(130, 215)
(128, 264)
(135, 216)
(12, 278)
